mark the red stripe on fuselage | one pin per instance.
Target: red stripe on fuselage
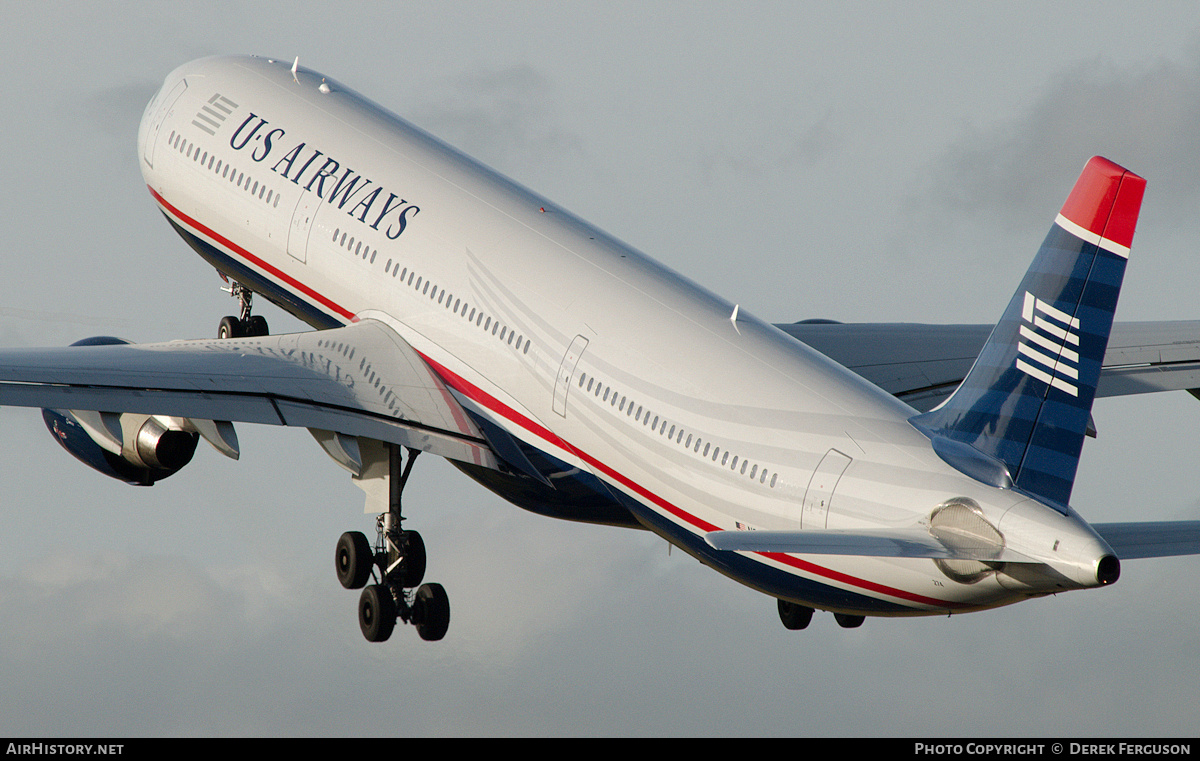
(478, 395)
(252, 259)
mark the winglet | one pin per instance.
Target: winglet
(1026, 402)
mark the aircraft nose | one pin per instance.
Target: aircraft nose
(152, 119)
(148, 115)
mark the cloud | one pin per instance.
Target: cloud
(136, 598)
(506, 116)
(751, 147)
(1142, 117)
(100, 641)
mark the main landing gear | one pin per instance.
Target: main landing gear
(396, 563)
(247, 325)
(795, 616)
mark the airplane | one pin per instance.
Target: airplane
(864, 470)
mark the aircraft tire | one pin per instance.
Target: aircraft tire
(230, 327)
(353, 560)
(412, 570)
(431, 612)
(793, 616)
(847, 621)
(257, 326)
(376, 613)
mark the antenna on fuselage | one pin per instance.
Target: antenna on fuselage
(295, 68)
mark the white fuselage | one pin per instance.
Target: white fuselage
(571, 341)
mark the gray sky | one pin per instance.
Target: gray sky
(858, 161)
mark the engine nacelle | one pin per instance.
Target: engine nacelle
(135, 448)
(151, 447)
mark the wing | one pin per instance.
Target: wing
(362, 380)
(923, 364)
(1151, 539)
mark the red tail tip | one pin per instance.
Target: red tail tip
(1106, 200)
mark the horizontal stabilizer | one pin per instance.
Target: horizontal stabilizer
(1159, 539)
(886, 543)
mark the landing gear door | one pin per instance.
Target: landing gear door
(566, 370)
(821, 486)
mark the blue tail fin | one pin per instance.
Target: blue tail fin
(1027, 399)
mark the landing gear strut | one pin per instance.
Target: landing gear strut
(396, 563)
(247, 325)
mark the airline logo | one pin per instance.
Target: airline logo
(212, 115)
(1048, 346)
(351, 188)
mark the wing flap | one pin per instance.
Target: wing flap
(360, 380)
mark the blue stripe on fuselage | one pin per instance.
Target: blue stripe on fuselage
(579, 495)
(257, 282)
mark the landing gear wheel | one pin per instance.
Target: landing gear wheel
(377, 613)
(412, 567)
(246, 324)
(400, 557)
(847, 621)
(794, 616)
(230, 327)
(256, 326)
(431, 612)
(354, 560)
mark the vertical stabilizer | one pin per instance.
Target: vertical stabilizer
(1027, 399)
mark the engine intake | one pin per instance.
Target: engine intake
(161, 448)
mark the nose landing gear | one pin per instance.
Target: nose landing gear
(247, 325)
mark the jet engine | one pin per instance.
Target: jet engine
(133, 447)
(137, 449)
